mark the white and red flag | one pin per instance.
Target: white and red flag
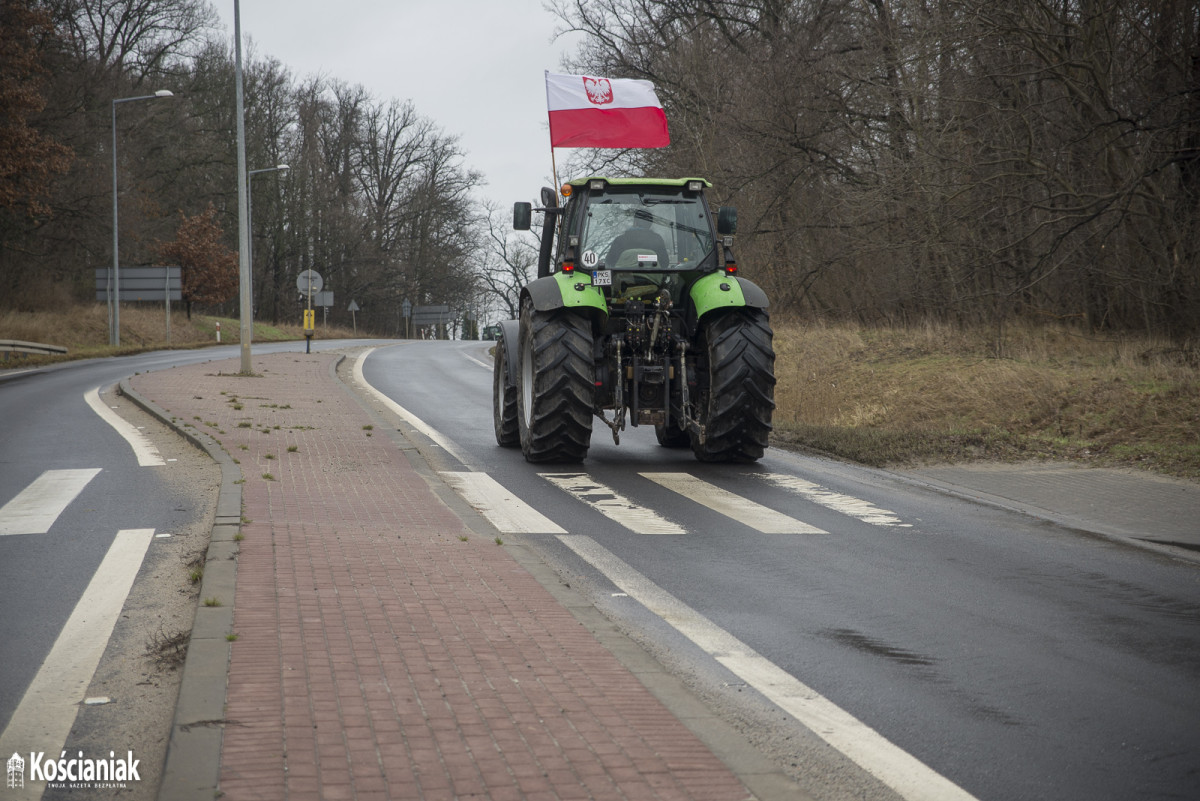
(604, 112)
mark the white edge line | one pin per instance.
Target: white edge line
(147, 455)
(438, 438)
(896, 768)
(480, 362)
(43, 719)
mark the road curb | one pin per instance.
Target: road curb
(193, 762)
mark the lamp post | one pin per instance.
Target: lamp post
(250, 223)
(114, 284)
(243, 211)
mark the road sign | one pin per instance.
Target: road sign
(309, 281)
(323, 298)
(406, 308)
(353, 307)
(142, 283)
(431, 315)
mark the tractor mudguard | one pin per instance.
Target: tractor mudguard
(565, 290)
(510, 332)
(756, 298)
(718, 290)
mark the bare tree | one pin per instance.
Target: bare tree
(508, 262)
(133, 37)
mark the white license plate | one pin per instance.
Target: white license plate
(602, 278)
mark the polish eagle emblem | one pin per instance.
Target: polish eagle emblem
(599, 90)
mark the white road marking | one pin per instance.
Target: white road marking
(420, 425)
(43, 719)
(505, 511)
(613, 505)
(480, 362)
(903, 773)
(147, 455)
(35, 508)
(846, 504)
(734, 506)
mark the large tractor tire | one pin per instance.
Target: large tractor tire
(504, 396)
(740, 398)
(556, 385)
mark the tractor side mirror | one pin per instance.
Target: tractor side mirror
(727, 220)
(549, 197)
(522, 216)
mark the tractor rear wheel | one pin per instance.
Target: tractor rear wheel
(736, 407)
(556, 385)
(504, 395)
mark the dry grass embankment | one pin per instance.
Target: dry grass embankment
(84, 331)
(875, 396)
(936, 394)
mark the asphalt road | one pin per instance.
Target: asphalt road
(47, 425)
(1015, 658)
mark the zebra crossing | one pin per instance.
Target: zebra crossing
(511, 515)
(34, 509)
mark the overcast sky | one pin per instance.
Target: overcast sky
(474, 67)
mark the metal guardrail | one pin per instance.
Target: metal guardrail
(8, 346)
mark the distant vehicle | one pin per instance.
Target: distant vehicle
(491, 332)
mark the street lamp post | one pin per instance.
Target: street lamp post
(243, 210)
(114, 283)
(250, 225)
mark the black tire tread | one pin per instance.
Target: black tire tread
(741, 394)
(504, 397)
(560, 424)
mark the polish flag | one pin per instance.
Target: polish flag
(604, 112)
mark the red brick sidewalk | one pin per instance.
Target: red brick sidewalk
(386, 651)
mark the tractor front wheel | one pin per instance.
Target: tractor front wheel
(556, 385)
(671, 435)
(504, 395)
(736, 407)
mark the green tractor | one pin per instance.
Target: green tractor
(637, 310)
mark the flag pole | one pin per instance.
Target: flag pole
(554, 170)
(553, 163)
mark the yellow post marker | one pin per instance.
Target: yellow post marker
(310, 324)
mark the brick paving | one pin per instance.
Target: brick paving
(386, 651)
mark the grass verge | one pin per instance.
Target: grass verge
(941, 394)
(83, 330)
